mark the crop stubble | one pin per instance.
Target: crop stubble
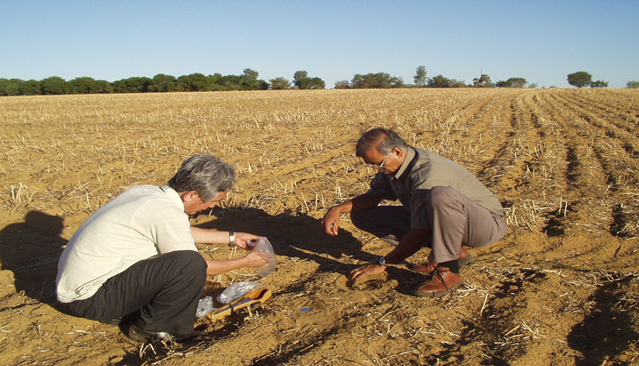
(560, 288)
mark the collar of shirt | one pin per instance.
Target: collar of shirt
(173, 195)
(410, 154)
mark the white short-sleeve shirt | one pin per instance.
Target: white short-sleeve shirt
(142, 222)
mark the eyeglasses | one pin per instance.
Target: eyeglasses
(378, 166)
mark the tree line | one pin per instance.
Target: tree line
(249, 80)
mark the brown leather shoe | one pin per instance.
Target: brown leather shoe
(442, 282)
(429, 267)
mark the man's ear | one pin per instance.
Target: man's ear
(189, 195)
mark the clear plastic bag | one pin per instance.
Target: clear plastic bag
(237, 290)
(204, 307)
(263, 245)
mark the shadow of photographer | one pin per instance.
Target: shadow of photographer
(31, 250)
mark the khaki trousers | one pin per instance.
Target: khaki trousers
(455, 220)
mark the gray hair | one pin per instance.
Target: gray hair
(206, 174)
(382, 139)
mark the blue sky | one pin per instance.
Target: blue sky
(541, 41)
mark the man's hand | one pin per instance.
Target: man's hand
(257, 259)
(367, 270)
(331, 221)
(360, 203)
(243, 240)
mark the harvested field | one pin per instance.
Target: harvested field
(562, 288)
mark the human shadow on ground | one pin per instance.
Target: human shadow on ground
(293, 235)
(303, 237)
(607, 331)
(31, 250)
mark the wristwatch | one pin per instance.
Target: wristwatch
(382, 261)
(231, 238)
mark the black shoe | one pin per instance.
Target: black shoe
(139, 335)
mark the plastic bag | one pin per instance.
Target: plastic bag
(263, 245)
(237, 290)
(204, 307)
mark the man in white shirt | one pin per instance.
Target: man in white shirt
(135, 257)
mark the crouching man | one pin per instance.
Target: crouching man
(444, 208)
(135, 258)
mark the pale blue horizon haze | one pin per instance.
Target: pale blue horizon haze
(541, 41)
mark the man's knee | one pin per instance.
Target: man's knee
(190, 260)
(442, 195)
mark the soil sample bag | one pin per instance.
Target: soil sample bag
(263, 245)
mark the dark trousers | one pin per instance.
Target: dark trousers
(455, 220)
(160, 294)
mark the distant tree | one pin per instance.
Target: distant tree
(83, 85)
(632, 85)
(103, 87)
(193, 82)
(10, 87)
(251, 82)
(599, 84)
(420, 76)
(312, 83)
(31, 87)
(579, 79)
(440, 81)
(359, 82)
(483, 82)
(214, 82)
(249, 74)
(301, 80)
(261, 85)
(3, 85)
(231, 82)
(380, 80)
(280, 83)
(512, 83)
(54, 85)
(163, 83)
(132, 85)
(342, 84)
(397, 82)
(249, 79)
(298, 76)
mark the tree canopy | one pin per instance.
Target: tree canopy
(440, 81)
(483, 82)
(512, 83)
(249, 80)
(380, 80)
(280, 84)
(301, 80)
(582, 78)
(420, 76)
(579, 79)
